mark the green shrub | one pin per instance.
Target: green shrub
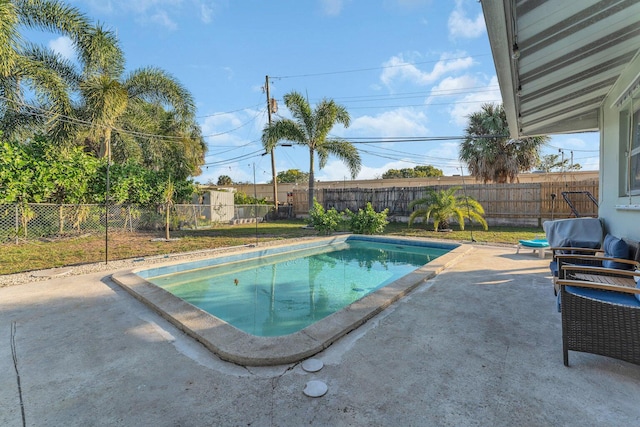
(326, 222)
(367, 221)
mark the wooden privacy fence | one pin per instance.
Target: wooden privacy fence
(504, 204)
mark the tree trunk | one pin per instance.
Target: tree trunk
(312, 179)
(166, 224)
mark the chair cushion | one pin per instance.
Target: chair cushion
(615, 247)
(572, 243)
(607, 296)
(535, 243)
(553, 266)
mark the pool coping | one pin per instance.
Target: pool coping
(234, 345)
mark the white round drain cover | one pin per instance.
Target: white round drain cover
(315, 389)
(312, 365)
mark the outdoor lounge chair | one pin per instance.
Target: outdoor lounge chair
(539, 245)
(601, 318)
(575, 236)
(605, 265)
(600, 301)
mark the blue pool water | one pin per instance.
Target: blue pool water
(284, 293)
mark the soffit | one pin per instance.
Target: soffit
(563, 58)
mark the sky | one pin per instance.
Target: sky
(401, 68)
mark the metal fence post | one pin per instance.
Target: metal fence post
(17, 222)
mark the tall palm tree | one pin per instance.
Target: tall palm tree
(90, 102)
(444, 205)
(488, 151)
(310, 128)
(21, 64)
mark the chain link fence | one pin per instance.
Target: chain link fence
(36, 221)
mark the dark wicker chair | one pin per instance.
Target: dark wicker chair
(600, 317)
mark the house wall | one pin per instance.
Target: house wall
(620, 213)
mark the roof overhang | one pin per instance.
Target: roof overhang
(556, 60)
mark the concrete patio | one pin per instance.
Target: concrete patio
(478, 345)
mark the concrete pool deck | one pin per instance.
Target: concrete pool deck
(234, 345)
(479, 344)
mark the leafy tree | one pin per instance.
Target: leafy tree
(310, 128)
(553, 163)
(170, 144)
(38, 172)
(488, 151)
(444, 205)
(146, 115)
(242, 198)
(367, 220)
(41, 172)
(225, 180)
(416, 172)
(292, 176)
(325, 221)
(20, 174)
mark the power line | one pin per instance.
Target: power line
(236, 159)
(41, 112)
(230, 112)
(234, 147)
(425, 105)
(572, 149)
(253, 119)
(358, 70)
(409, 95)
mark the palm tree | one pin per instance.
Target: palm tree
(444, 205)
(91, 102)
(488, 151)
(22, 65)
(121, 108)
(310, 128)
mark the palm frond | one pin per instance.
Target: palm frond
(156, 85)
(9, 38)
(51, 60)
(55, 16)
(100, 53)
(282, 129)
(300, 111)
(345, 151)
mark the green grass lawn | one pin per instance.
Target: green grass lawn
(36, 255)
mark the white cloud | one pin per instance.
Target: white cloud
(332, 7)
(397, 69)
(445, 157)
(453, 86)
(472, 102)
(233, 129)
(206, 13)
(160, 12)
(162, 18)
(231, 136)
(460, 26)
(63, 46)
(399, 122)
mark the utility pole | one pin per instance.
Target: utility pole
(273, 157)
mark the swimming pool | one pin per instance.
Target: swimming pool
(235, 345)
(281, 294)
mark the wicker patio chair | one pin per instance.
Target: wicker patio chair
(601, 318)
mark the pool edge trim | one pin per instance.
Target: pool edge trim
(234, 345)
